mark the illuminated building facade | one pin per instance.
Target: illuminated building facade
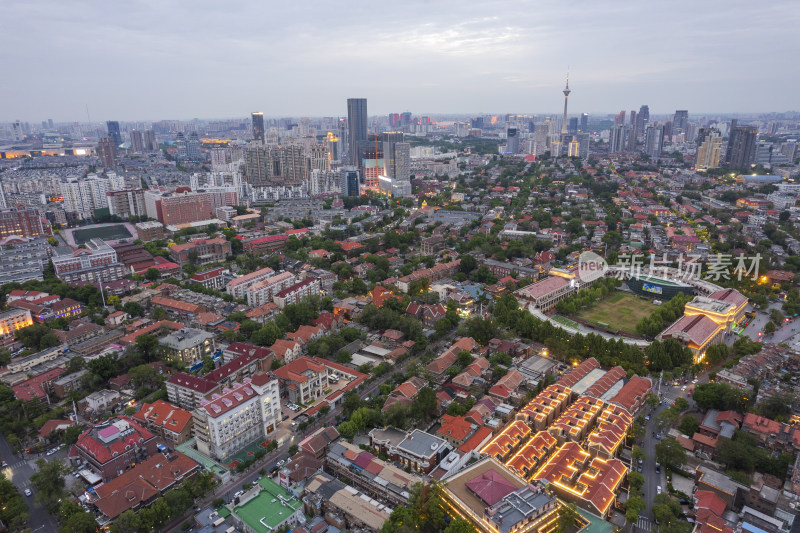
(23, 221)
(589, 482)
(13, 320)
(494, 500)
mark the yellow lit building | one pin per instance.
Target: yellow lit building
(493, 500)
(13, 320)
(726, 312)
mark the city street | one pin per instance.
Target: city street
(19, 471)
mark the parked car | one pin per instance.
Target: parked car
(658, 489)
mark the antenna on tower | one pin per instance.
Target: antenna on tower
(87, 114)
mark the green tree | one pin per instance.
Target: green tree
(79, 522)
(159, 313)
(292, 450)
(127, 522)
(133, 309)
(636, 481)
(652, 400)
(770, 327)
(152, 274)
(425, 405)
(669, 452)
(147, 345)
(638, 453)
(49, 483)
(689, 425)
(568, 518)
(633, 507)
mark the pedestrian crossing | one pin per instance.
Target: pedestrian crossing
(644, 524)
(669, 401)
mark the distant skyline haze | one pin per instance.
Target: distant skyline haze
(149, 60)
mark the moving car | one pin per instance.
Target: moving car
(28, 492)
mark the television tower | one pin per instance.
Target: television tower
(566, 97)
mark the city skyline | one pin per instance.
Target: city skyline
(509, 57)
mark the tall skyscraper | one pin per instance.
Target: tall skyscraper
(709, 149)
(113, 132)
(137, 141)
(150, 143)
(584, 122)
(107, 152)
(258, 126)
(632, 133)
(573, 126)
(512, 141)
(616, 138)
(396, 156)
(642, 118)
(566, 97)
(620, 118)
(357, 128)
(654, 140)
(680, 121)
(741, 152)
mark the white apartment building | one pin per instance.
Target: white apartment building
(238, 286)
(83, 196)
(262, 292)
(226, 422)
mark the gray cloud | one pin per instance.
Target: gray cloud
(169, 59)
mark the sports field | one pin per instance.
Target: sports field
(109, 232)
(621, 310)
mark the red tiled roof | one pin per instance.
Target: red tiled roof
(164, 414)
(105, 452)
(31, 389)
(632, 393)
(705, 499)
(475, 440)
(455, 427)
(188, 381)
(696, 329)
(579, 372)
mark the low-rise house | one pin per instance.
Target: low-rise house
(171, 423)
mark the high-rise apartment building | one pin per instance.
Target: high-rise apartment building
(632, 133)
(126, 203)
(258, 126)
(320, 157)
(619, 118)
(137, 141)
(23, 221)
(653, 140)
(709, 149)
(396, 156)
(357, 128)
(642, 119)
(616, 138)
(150, 143)
(741, 152)
(107, 152)
(114, 133)
(267, 166)
(188, 148)
(83, 196)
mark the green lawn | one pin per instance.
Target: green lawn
(621, 310)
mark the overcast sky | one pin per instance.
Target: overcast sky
(162, 59)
